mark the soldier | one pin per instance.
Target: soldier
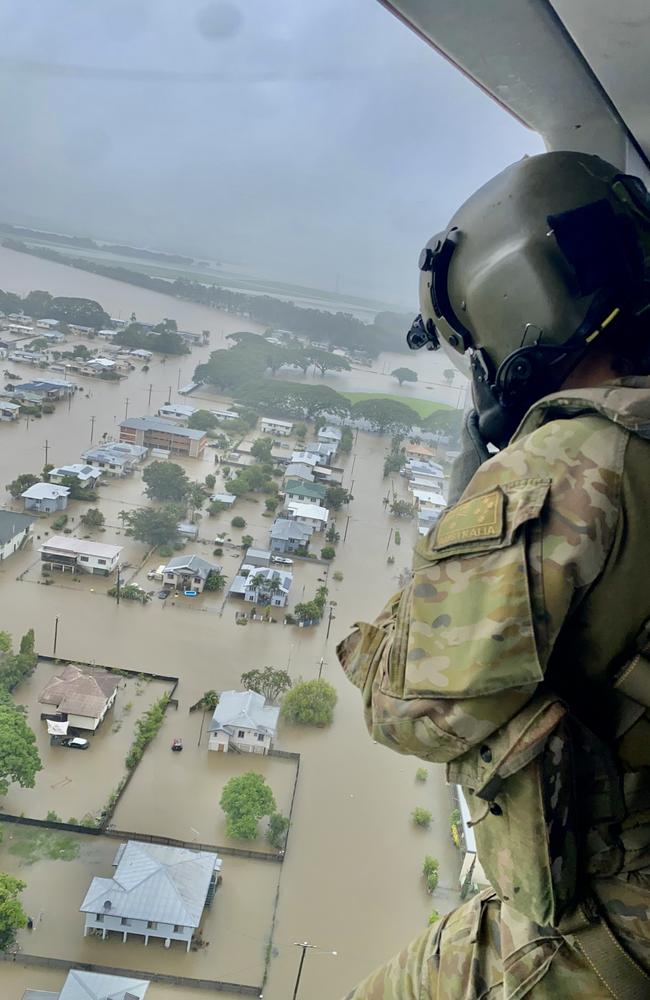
(519, 652)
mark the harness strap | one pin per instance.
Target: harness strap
(615, 968)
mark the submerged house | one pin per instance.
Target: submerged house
(243, 721)
(84, 698)
(156, 891)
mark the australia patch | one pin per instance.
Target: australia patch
(473, 519)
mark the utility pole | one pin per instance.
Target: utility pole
(56, 633)
(126, 407)
(178, 380)
(345, 533)
(169, 394)
(320, 668)
(117, 589)
(390, 535)
(304, 945)
(149, 400)
(329, 622)
(92, 428)
(47, 448)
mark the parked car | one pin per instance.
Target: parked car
(163, 594)
(156, 574)
(75, 743)
(282, 560)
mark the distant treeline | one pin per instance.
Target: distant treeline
(343, 330)
(86, 243)
(42, 305)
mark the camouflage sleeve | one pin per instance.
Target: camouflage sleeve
(465, 645)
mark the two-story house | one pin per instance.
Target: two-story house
(243, 721)
(14, 531)
(304, 491)
(156, 891)
(268, 586)
(289, 536)
(79, 555)
(86, 475)
(308, 514)
(188, 572)
(46, 498)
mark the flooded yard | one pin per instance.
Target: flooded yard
(77, 783)
(56, 888)
(351, 879)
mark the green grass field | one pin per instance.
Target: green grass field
(423, 407)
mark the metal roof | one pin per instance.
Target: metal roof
(11, 524)
(154, 882)
(165, 426)
(311, 510)
(284, 530)
(305, 488)
(244, 710)
(194, 564)
(45, 491)
(97, 986)
(80, 546)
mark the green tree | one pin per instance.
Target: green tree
(277, 830)
(300, 430)
(19, 757)
(155, 526)
(22, 483)
(196, 495)
(92, 519)
(404, 375)
(332, 535)
(269, 682)
(327, 552)
(325, 361)
(214, 581)
(430, 871)
(421, 774)
(12, 915)
(230, 369)
(309, 703)
(5, 642)
(386, 415)
(421, 817)
(261, 449)
(402, 508)
(246, 541)
(27, 643)
(336, 496)
(166, 481)
(347, 440)
(271, 504)
(203, 420)
(210, 481)
(245, 800)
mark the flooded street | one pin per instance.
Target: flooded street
(351, 879)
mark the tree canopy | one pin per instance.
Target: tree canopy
(309, 703)
(12, 915)
(163, 340)
(386, 415)
(268, 681)
(203, 420)
(93, 518)
(244, 800)
(336, 496)
(166, 481)
(19, 757)
(155, 526)
(404, 375)
(22, 483)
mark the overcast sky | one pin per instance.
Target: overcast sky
(314, 141)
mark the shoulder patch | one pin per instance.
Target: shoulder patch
(478, 517)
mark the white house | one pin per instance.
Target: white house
(79, 555)
(227, 499)
(304, 458)
(309, 514)
(9, 411)
(46, 497)
(84, 697)
(244, 721)
(156, 891)
(86, 475)
(81, 985)
(268, 586)
(330, 435)
(225, 414)
(14, 529)
(188, 573)
(180, 413)
(282, 428)
(116, 458)
(100, 365)
(141, 353)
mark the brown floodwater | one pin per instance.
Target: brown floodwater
(351, 879)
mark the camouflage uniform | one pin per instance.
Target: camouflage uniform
(517, 656)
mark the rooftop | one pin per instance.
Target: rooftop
(97, 986)
(244, 710)
(284, 530)
(265, 575)
(79, 693)
(73, 546)
(193, 564)
(305, 488)
(165, 426)
(304, 457)
(308, 510)
(258, 553)
(78, 470)
(153, 882)
(179, 409)
(278, 423)
(11, 524)
(45, 491)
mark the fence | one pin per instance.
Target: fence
(217, 985)
(145, 838)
